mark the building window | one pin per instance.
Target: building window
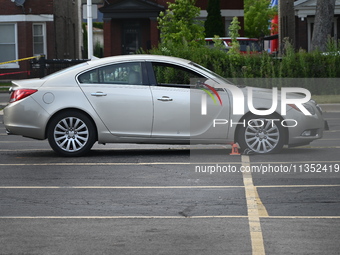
(39, 39)
(8, 45)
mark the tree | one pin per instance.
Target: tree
(257, 17)
(233, 32)
(323, 23)
(214, 24)
(178, 25)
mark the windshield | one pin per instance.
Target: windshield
(211, 72)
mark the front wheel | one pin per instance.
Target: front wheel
(71, 133)
(261, 134)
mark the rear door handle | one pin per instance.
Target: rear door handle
(98, 94)
(165, 99)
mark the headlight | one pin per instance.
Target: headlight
(309, 108)
(316, 105)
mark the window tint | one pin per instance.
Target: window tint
(125, 73)
(249, 45)
(171, 75)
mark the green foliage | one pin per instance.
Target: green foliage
(84, 40)
(98, 50)
(292, 64)
(233, 33)
(178, 25)
(98, 25)
(257, 16)
(214, 24)
(218, 43)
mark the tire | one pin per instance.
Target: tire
(261, 135)
(71, 134)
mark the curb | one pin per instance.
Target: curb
(4, 89)
(330, 107)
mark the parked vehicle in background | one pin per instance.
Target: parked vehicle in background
(251, 45)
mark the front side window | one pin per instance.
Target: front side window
(125, 73)
(39, 39)
(8, 45)
(172, 75)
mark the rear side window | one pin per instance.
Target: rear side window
(124, 73)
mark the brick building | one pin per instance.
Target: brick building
(34, 27)
(132, 24)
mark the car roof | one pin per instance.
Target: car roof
(137, 57)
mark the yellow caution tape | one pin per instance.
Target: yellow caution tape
(22, 59)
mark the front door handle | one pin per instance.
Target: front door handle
(165, 99)
(98, 94)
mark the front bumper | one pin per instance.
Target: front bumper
(308, 128)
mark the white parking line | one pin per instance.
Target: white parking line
(119, 187)
(172, 187)
(118, 164)
(166, 217)
(252, 198)
(162, 163)
(123, 217)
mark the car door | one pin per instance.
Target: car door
(177, 95)
(121, 96)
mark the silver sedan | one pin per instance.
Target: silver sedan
(158, 100)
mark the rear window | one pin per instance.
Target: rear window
(65, 70)
(123, 73)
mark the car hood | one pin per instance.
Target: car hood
(267, 94)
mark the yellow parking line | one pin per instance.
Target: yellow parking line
(261, 208)
(252, 198)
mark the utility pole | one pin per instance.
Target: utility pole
(89, 30)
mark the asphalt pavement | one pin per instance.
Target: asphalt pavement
(164, 199)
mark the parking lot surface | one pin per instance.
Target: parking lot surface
(147, 199)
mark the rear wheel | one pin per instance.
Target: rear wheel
(261, 134)
(71, 133)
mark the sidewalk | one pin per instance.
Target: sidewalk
(330, 107)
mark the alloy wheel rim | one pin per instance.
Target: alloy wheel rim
(71, 134)
(262, 135)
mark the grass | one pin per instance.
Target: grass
(4, 86)
(327, 99)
